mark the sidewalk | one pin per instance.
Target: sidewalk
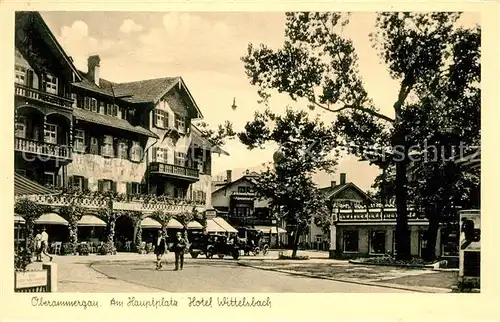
(342, 271)
(75, 274)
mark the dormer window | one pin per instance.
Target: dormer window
(112, 109)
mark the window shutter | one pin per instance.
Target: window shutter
(86, 103)
(113, 186)
(153, 157)
(85, 184)
(175, 121)
(115, 110)
(188, 125)
(129, 188)
(70, 181)
(29, 78)
(99, 185)
(58, 180)
(154, 118)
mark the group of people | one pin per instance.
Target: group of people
(179, 248)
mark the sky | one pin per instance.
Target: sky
(205, 48)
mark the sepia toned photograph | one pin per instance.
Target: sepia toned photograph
(247, 152)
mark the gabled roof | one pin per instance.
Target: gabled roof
(244, 178)
(38, 19)
(331, 192)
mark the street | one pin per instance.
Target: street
(124, 273)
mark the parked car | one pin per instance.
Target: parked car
(213, 244)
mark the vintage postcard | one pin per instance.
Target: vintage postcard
(185, 160)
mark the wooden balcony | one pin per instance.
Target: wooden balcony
(38, 96)
(43, 149)
(175, 171)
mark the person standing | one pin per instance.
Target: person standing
(45, 244)
(179, 248)
(38, 246)
(160, 248)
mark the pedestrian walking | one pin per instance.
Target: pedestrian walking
(45, 245)
(160, 248)
(179, 248)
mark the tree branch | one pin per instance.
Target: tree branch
(363, 109)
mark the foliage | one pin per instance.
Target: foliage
(423, 52)
(201, 217)
(30, 211)
(282, 256)
(289, 185)
(217, 137)
(83, 249)
(72, 213)
(107, 248)
(68, 248)
(22, 258)
(163, 218)
(149, 248)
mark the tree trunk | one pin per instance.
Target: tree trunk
(432, 231)
(402, 236)
(296, 242)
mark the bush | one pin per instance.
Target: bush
(84, 249)
(467, 285)
(140, 248)
(22, 259)
(149, 248)
(389, 260)
(107, 248)
(283, 256)
(68, 249)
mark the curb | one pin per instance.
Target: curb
(384, 285)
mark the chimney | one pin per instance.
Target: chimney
(342, 178)
(228, 178)
(333, 183)
(93, 69)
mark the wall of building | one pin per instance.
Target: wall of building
(204, 184)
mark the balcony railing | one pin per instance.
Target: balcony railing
(40, 96)
(376, 214)
(174, 170)
(42, 148)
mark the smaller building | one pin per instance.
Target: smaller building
(236, 201)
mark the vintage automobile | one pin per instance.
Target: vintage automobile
(252, 242)
(213, 244)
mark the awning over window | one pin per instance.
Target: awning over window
(194, 225)
(25, 186)
(51, 219)
(91, 221)
(150, 223)
(213, 227)
(224, 224)
(267, 229)
(174, 224)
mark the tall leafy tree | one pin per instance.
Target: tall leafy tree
(289, 184)
(318, 64)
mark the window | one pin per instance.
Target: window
(422, 243)
(200, 165)
(51, 84)
(93, 105)
(180, 159)
(249, 189)
(78, 183)
(199, 195)
(21, 127)
(106, 185)
(377, 242)
(243, 210)
(79, 143)
(20, 75)
(94, 145)
(161, 155)
(49, 178)
(319, 238)
(242, 189)
(449, 242)
(112, 109)
(102, 107)
(122, 150)
(351, 241)
(135, 187)
(180, 123)
(161, 119)
(50, 133)
(135, 152)
(107, 146)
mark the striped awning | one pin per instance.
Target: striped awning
(194, 225)
(150, 223)
(18, 219)
(224, 224)
(270, 229)
(213, 227)
(25, 186)
(91, 221)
